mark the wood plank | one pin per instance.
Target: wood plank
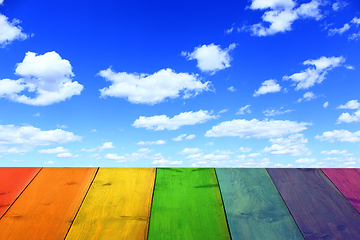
(117, 205)
(47, 207)
(347, 180)
(13, 180)
(253, 206)
(318, 207)
(187, 205)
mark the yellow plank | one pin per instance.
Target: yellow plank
(117, 205)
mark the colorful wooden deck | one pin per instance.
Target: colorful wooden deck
(179, 203)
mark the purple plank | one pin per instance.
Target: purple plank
(318, 207)
(347, 180)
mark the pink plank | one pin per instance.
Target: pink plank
(347, 180)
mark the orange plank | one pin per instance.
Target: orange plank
(47, 207)
(13, 180)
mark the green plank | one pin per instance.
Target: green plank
(254, 208)
(187, 205)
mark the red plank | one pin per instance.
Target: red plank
(13, 180)
(347, 180)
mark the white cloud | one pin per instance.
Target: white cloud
(164, 162)
(307, 96)
(294, 145)
(106, 145)
(274, 112)
(281, 14)
(152, 89)
(268, 86)
(253, 155)
(338, 5)
(354, 36)
(54, 150)
(243, 109)
(89, 150)
(326, 105)
(339, 136)
(347, 118)
(231, 89)
(190, 151)
(244, 149)
(223, 152)
(256, 129)
(306, 160)
(66, 155)
(158, 142)
(339, 31)
(349, 67)
(179, 138)
(356, 21)
(308, 78)
(36, 115)
(142, 153)
(94, 130)
(209, 157)
(211, 58)
(49, 163)
(191, 136)
(161, 122)
(230, 30)
(332, 152)
(1, 2)
(10, 31)
(223, 111)
(352, 104)
(48, 76)
(96, 155)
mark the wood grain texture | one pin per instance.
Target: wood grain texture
(47, 207)
(117, 205)
(347, 180)
(13, 180)
(318, 207)
(187, 205)
(253, 205)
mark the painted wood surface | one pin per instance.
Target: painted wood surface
(117, 205)
(253, 206)
(47, 207)
(187, 205)
(347, 180)
(318, 207)
(13, 180)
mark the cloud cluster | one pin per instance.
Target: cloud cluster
(211, 58)
(347, 117)
(48, 76)
(293, 145)
(10, 31)
(308, 78)
(105, 146)
(339, 136)
(242, 110)
(274, 112)
(141, 154)
(161, 122)
(268, 86)
(181, 136)
(280, 15)
(307, 96)
(152, 89)
(158, 142)
(256, 129)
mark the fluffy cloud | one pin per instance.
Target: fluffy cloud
(190, 151)
(164, 162)
(105, 146)
(352, 104)
(307, 96)
(326, 105)
(48, 76)
(339, 136)
(339, 30)
(256, 129)
(54, 150)
(274, 112)
(158, 142)
(347, 118)
(243, 109)
(332, 152)
(306, 160)
(294, 145)
(16, 139)
(151, 89)
(338, 5)
(244, 149)
(280, 15)
(308, 78)
(354, 36)
(211, 58)
(10, 31)
(161, 122)
(142, 153)
(66, 155)
(208, 157)
(231, 89)
(268, 86)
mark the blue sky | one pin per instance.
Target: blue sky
(183, 84)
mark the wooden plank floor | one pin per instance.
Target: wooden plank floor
(347, 180)
(187, 205)
(318, 207)
(47, 207)
(13, 180)
(253, 206)
(117, 205)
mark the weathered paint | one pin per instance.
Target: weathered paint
(47, 207)
(253, 206)
(117, 205)
(187, 205)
